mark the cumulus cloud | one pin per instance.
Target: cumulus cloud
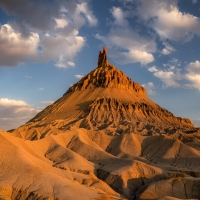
(171, 75)
(153, 69)
(71, 64)
(134, 56)
(119, 16)
(35, 15)
(83, 8)
(193, 74)
(50, 34)
(79, 76)
(14, 48)
(13, 113)
(125, 44)
(168, 48)
(194, 79)
(150, 87)
(128, 46)
(61, 23)
(167, 20)
(60, 49)
(193, 67)
(169, 78)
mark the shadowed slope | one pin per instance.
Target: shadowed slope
(33, 170)
(90, 161)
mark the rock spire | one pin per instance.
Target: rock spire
(106, 76)
(102, 60)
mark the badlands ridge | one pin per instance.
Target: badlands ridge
(104, 139)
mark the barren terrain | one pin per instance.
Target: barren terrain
(104, 139)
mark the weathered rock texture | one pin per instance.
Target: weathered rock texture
(103, 140)
(106, 76)
(105, 99)
(83, 164)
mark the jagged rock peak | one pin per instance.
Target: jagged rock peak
(102, 60)
(106, 76)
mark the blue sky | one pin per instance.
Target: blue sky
(47, 45)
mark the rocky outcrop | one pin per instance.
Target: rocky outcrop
(118, 116)
(105, 99)
(106, 76)
(102, 59)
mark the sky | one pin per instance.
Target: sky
(48, 45)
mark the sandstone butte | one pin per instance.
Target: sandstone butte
(104, 139)
(105, 99)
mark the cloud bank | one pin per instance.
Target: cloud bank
(172, 75)
(165, 18)
(13, 113)
(125, 44)
(50, 34)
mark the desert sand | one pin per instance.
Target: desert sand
(103, 139)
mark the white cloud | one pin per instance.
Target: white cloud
(165, 51)
(168, 48)
(194, 79)
(83, 8)
(169, 78)
(193, 67)
(10, 102)
(153, 69)
(150, 87)
(134, 56)
(79, 76)
(119, 16)
(50, 34)
(61, 23)
(125, 44)
(168, 21)
(69, 63)
(130, 40)
(193, 74)
(14, 48)
(13, 113)
(128, 46)
(170, 75)
(61, 49)
(194, 1)
(41, 89)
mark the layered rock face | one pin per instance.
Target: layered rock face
(106, 76)
(120, 116)
(105, 99)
